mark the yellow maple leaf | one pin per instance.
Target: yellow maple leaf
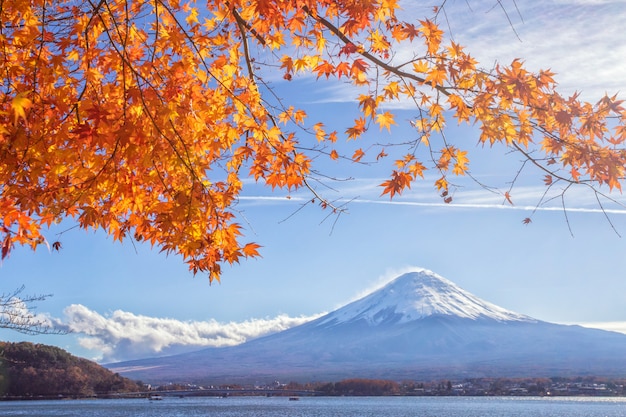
(421, 66)
(437, 76)
(379, 42)
(193, 16)
(73, 55)
(20, 104)
(385, 120)
(460, 167)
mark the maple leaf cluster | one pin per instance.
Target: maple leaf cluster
(142, 117)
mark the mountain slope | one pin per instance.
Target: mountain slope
(418, 326)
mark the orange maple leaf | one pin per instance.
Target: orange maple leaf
(325, 68)
(398, 182)
(358, 155)
(251, 250)
(360, 126)
(547, 180)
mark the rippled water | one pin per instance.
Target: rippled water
(324, 407)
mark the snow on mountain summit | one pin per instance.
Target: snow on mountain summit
(416, 295)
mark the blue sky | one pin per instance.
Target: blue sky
(125, 301)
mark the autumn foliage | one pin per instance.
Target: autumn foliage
(37, 371)
(142, 118)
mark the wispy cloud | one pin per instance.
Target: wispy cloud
(580, 40)
(482, 201)
(122, 335)
(492, 206)
(612, 326)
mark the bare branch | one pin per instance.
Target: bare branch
(17, 313)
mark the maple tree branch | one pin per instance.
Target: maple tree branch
(517, 174)
(153, 102)
(508, 18)
(253, 77)
(241, 22)
(198, 53)
(243, 27)
(562, 193)
(41, 45)
(123, 54)
(244, 40)
(139, 78)
(377, 62)
(606, 215)
(325, 203)
(569, 225)
(541, 167)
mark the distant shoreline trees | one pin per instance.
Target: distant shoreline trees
(540, 386)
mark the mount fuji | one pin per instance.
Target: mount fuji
(419, 326)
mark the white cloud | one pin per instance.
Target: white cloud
(612, 326)
(525, 198)
(123, 335)
(588, 2)
(580, 40)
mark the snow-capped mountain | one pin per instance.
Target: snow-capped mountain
(416, 295)
(419, 326)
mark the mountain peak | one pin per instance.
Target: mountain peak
(389, 335)
(416, 295)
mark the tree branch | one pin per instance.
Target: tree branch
(16, 313)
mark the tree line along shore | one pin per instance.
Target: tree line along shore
(37, 371)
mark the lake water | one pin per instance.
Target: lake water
(324, 407)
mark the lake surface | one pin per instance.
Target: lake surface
(324, 407)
